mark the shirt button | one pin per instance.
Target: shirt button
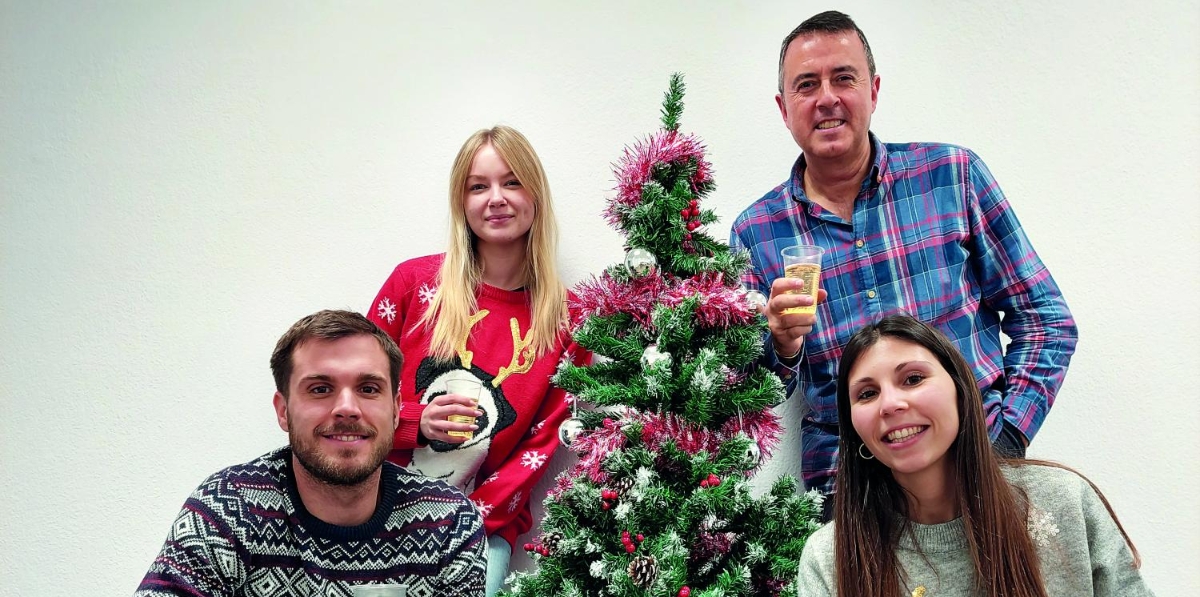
(859, 243)
(870, 294)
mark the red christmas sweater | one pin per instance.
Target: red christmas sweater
(517, 434)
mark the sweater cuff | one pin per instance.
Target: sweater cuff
(410, 426)
(508, 533)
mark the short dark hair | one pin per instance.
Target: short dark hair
(830, 21)
(330, 325)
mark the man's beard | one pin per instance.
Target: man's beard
(329, 470)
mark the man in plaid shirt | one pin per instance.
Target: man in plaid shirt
(918, 228)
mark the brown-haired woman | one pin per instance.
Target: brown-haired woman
(924, 505)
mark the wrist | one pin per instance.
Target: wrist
(788, 357)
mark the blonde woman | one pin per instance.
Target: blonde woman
(490, 309)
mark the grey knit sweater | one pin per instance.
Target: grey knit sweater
(1082, 552)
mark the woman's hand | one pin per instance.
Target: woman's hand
(435, 421)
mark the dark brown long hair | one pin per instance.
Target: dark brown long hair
(871, 509)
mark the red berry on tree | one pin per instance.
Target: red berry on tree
(684, 592)
(640, 538)
(629, 547)
(693, 203)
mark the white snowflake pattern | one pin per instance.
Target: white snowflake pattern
(1041, 526)
(536, 428)
(569, 399)
(484, 508)
(426, 292)
(514, 502)
(387, 309)
(533, 460)
(491, 478)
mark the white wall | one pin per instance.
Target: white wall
(180, 181)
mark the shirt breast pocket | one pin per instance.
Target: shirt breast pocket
(941, 278)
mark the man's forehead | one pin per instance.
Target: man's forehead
(361, 352)
(821, 41)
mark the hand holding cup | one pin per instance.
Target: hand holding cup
(451, 417)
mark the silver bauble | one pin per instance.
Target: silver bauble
(569, 431)
(756, 299)
(753, 454)
(640, 261)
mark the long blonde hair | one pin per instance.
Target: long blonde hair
(461, 273)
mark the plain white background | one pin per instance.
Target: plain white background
(180, 181)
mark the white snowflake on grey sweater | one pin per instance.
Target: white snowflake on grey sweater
(1041, 526)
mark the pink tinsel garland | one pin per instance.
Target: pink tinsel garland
(594, 446)
(720, 306)
(599, 297)
(637, 164)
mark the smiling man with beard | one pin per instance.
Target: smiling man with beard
(328, 511)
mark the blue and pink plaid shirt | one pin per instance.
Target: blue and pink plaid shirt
(932, 236)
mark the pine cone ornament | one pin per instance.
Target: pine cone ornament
(551, 541)
(643, 570)
(622, 486)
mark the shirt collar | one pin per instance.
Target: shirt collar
(869, 184)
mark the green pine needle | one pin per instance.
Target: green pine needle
(673, 103)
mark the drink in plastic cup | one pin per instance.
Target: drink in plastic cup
(804, 262)
(379, 590)
(471, 388)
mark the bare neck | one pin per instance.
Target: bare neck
(503, 267)
(834, 185)
(931, 496)
(342, 506)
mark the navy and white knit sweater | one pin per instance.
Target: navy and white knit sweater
(245, 533)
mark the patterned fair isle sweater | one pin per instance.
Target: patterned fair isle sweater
(517, 433)
(245, 533)
(1082, 552)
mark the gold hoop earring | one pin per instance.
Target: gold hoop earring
(860, 454)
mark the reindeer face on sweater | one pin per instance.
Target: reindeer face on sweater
(457, 464)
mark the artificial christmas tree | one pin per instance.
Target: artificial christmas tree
(659, 503)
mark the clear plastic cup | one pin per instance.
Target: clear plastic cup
(804, 262)
(471, 388)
